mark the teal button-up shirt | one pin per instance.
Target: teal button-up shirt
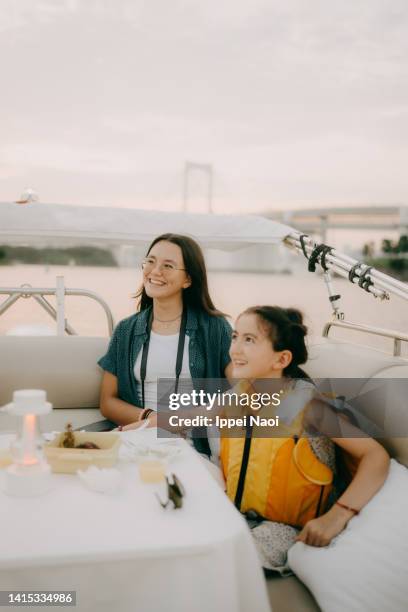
(210, 339)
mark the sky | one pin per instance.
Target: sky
(296, 103)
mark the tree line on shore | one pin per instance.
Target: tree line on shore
(393, 258)
(76, 256)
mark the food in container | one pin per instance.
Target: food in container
(69, 460)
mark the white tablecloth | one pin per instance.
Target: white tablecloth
(125, 553)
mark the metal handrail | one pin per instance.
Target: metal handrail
(383, 284)
(38, 293)
(397, 336)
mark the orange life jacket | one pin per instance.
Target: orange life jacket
(280, 477)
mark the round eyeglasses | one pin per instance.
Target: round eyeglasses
(166, 267)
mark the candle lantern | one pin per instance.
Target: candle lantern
(29, 474)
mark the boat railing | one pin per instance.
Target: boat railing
(357, 272)
(58, 313)
(397, 336)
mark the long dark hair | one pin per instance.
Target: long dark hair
(286, 332)
(196, 295)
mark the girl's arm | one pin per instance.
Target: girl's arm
(112, 407)
(373, 464)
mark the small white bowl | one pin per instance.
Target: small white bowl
(101, 480)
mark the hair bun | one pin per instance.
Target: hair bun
(294, 315)
(296, 318)
(299, 329)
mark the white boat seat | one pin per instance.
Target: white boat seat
(395, 408)
(66, 367)
(338, 359)
(330, 358)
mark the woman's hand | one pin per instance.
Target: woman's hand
(151, 422)
(321, 531)
(152, 419)
(136, 425)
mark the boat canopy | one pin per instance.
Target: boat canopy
(97, 224)
(62, 224)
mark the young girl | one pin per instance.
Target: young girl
(282, 482)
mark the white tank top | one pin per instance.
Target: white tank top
(161, 363)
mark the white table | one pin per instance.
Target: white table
(125, 553)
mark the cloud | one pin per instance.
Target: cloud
(289, 100)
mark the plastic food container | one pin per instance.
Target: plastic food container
(69, 460)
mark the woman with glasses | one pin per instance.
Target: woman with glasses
(177, 333)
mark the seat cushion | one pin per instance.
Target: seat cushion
(66, 367)
(365, 566)
(360, 372)
(330, 358)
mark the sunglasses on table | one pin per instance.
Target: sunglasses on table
(175, 492)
